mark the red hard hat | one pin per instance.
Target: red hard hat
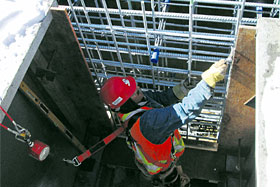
(117, 90)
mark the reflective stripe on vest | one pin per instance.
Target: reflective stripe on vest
(155, 166)
(178, 144)
(127, 116)
(151, 168)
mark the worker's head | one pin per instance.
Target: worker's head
(121, 94)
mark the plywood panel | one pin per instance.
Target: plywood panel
(239, 119)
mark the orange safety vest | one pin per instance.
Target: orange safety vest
(154, 157)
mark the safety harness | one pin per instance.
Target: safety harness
(152, 164)
(154, 157)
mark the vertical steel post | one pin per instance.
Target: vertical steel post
(148, 40)
(158, 39)
(190, 38)
(239, 20)
(153, 14)
(125, 34)
(113, 35)
(102, 22)
(93, 34)
(89, 55)
(139, 58)
(273, 10)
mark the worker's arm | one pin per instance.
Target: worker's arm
(158, 99)
(157, 124)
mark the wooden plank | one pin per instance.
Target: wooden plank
(239, 119)
(49, 114)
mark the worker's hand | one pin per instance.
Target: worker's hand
(182, 89)
(215, 73)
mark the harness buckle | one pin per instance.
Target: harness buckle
(76, 162)
(173, 156)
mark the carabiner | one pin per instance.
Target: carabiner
(74, 161)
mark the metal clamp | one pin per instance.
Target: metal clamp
(230, 57)
(23, 136)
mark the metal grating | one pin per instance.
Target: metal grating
(161, 42)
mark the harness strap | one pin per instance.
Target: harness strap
(100, 145)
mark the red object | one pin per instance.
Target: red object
(4, 126)
(39, 150)
(101, 144)
(11, 119)
(117, 90)
(154, 153)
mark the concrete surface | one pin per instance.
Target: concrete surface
(267, 102)
(18, 169)
(75, 102)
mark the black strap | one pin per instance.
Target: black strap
(133, 119)
(131, 122)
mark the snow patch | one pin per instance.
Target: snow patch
(19, 23)
(270, 111)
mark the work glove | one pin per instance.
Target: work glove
(182, 89)
(215, 73)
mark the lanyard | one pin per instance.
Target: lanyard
(20, 133)
(37, 149)
(76, 161)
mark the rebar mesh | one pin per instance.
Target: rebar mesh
(119, 37)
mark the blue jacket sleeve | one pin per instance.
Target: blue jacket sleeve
(157, 124)
(164, 98)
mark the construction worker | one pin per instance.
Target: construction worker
(154, 117)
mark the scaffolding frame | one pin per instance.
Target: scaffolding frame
(162, 42)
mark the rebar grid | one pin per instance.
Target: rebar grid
(162, 42)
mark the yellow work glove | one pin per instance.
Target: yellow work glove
(215, 73)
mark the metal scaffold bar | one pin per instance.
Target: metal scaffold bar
(191, 8)
(97, 48)
(239, 18)
(167, 24)
(179, 34)
(148, 40)
(217, 89)
(101, 18)
(169, 15)
(223, 2)
(168, 39)
(145, 67)
(113, 35)
(126, 36)
(87, 50)
(163, 54)
(158, 39)
(152, 46)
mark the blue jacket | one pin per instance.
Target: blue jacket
(157, 124)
